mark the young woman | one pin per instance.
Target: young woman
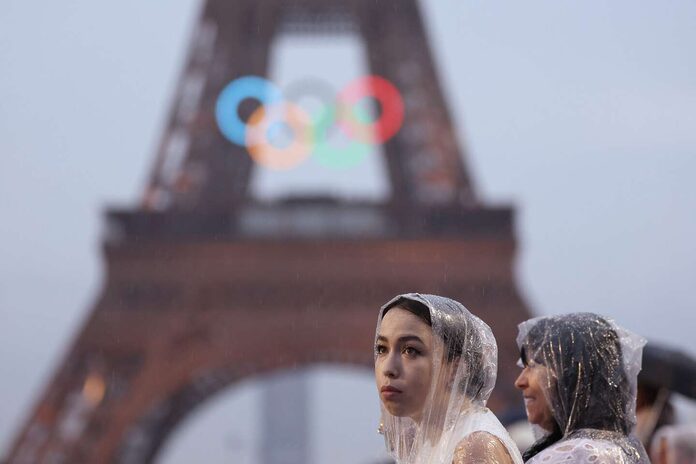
(435, 366)
(579, 387)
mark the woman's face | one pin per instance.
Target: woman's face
(403, 362)
(533, 380)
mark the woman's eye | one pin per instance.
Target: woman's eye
(411, 351)
(380, 349)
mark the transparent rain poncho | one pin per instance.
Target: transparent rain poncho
(587, 368)
(454, 424)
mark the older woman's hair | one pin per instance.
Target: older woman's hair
(588, 387)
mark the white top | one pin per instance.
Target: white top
(581, 451)
(482, 420)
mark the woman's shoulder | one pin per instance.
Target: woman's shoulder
(481, 447)
(581, 451)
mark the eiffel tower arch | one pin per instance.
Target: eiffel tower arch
(200, 272)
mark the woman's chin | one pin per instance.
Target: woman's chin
(397, 410)
(394, 410)
(544, 424)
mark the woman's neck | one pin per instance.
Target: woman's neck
(432, 426)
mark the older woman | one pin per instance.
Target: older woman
(579, 387)
(435, 366)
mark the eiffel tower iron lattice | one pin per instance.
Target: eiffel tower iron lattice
(201, 270)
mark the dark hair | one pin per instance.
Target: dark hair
(412, 306)
(595, 396)
(455, 340)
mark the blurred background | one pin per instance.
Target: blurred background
(581, 115)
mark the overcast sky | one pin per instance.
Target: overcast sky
(582, 114)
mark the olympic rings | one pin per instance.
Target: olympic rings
(261, 125)
(314, 95)
(392, 117)
(307, 135)
(232, 96)
(328, 153)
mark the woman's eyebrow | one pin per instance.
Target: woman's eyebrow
(410, 338)
(402, 339)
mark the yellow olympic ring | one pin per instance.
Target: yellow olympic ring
(263, 151)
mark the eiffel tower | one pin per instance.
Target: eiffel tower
(200, 271)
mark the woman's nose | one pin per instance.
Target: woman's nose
(521, 381)
(390, 368)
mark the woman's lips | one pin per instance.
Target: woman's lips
(529, 402)
(388, 392)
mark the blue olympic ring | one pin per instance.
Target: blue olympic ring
(226, 109)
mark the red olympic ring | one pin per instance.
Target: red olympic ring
(392, 109)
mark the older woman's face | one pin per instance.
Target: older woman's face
(533, 380)
(403, 362)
